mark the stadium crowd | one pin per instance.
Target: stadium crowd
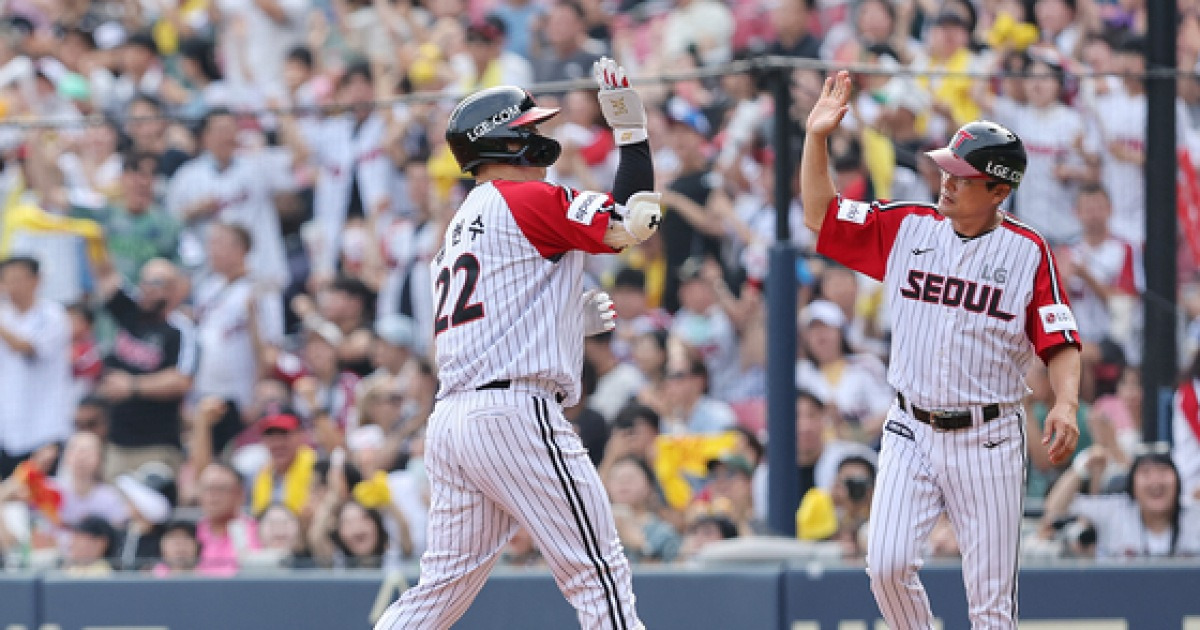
(216, 318)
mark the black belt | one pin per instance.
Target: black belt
(947, 420)
(505, 384)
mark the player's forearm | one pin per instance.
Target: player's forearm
(635, 172)
(1064, 369)
(816, 183)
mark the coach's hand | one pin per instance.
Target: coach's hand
(620, 103)
(599, 315)
(1061, 434)
(833, 104)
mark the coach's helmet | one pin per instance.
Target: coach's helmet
(985, 150)
(495, 126)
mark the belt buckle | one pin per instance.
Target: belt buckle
(935, 418)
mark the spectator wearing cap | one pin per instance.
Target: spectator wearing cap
(853, 385)
(567, 53)
(35, 361)
(89, 548)
(705, 26)
(730, 491)
(354, 178)
(703, 325)
(141, 72)
(487, 62)
(616, 382)
(396, 337)
(948, 51)
(149, 369)
(136, 228)
(690, 227)
(287, 477)
(221, 186)
(224, 532)
(690, 409)
(179, 549)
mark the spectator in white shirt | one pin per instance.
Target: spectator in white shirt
(616, 382)
(237, 322)
(254, 37)
(220, 185)
(35, 366)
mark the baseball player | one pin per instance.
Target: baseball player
(509, 322)
(974, 298)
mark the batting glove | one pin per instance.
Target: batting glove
(638, 221)
(598, 313)
(621, 105)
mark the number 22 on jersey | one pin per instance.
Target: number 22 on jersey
(464, 310)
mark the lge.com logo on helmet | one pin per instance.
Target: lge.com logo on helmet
(497, 119)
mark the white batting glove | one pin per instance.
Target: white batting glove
(642, 218)
(598, 313)
(621, 105)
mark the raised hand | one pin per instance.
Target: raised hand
(833, 104)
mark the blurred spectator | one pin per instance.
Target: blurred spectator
(567, 53)
(225, 534)
(396, 340)
(852, 492)
(948, 51)
(149, 370)
(633, 434)
(396, 494)
(179, 549)
(287, 477)
(409, 245)
(203, 88)
(36, 401)
(591, 427)
(87, 361)
(703, 325)
(90, 544)
(91, 169)
(352, 184)
(690, 408)
(84, 493)
(254, 37)
(730, 493)
(792, 37)
(136, 228)
(322, 391)
(487, 62)
(1147, 519)
(817, 457)
(1056, 21)
(220, 185)
(628, 291)
(146, 125)
(1053, 135)
(703, 531)
(616, 382)
(1100, 272)
(688, 229)
(282, 538)
(700, 28)
(650, 358)
(1042, 472)
(92, 416)
(237, 320)
(353, 538)
(854, 385)
(140, 73)
(1185, 431)
(519, 17)
(636, 501)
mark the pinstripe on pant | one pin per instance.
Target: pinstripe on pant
(923, 473)
(499, 459)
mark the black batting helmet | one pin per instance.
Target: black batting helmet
(494, 126)
(985, 150)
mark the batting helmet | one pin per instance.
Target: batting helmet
(494, 126)
(985, 150)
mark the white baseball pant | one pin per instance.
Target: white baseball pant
(499, 459)
(977, 477)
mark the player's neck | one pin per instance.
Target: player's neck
(509, 172)
(971, 227)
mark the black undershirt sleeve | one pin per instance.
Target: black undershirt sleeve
(635, 171)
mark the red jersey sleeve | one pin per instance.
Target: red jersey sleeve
(860, 235)
(556, 219)
(1049, 322)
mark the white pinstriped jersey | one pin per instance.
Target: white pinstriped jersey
(969, 314)
(507, 285)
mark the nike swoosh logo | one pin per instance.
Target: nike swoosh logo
(918, 251)
(994, 443)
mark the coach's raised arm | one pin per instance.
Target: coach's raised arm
(816, 184)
